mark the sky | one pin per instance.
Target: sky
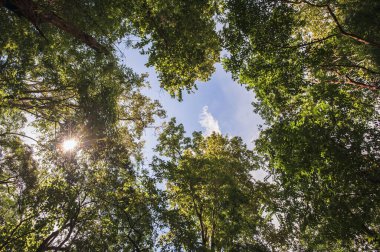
(219, 105)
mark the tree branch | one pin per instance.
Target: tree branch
(36, 15)
(19, 134)
(340, 27)
(360, 84)
(351, 35)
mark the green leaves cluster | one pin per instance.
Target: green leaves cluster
(213, 203)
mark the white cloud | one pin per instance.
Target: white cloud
(207, 121)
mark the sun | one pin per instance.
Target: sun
(69, 145)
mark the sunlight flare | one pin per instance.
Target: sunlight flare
(69, 145)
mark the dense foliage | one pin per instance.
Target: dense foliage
(314, 66)
(213, 203)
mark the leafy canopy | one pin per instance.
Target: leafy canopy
(213, 202)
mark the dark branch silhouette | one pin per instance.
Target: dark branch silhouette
(37, 15)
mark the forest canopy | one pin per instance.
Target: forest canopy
(313, 66)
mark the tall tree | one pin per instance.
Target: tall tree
(59, 69)
(179, 37)
(283, 48)
(57, 200)
(213, 202)
(314, 68)
(327, 166)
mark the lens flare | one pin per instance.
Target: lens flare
(69, 145)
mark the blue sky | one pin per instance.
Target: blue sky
(219, 100)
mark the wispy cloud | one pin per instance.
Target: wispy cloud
(207, 121)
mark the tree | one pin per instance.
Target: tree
(67, 28)
(52, 200)
(315, 71)
(76, 205)
(59, 70)
(213, 202)
(326, 166)
(289, 47)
